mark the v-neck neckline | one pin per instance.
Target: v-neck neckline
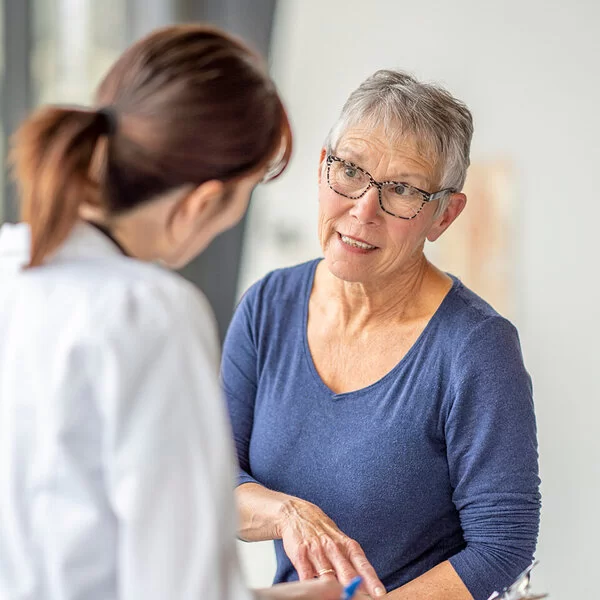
(309, 284)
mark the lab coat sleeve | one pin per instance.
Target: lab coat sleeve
(167, 449)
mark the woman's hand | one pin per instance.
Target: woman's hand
(303, 590)
(317, 548)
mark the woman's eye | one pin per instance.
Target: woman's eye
(401, 190)
(350, 172)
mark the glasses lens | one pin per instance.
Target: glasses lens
(346, 179)
(401, 200)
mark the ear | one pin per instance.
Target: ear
(198, 205)
(201, 202)
(321, 160)
(455, 206)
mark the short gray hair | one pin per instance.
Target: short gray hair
(441, 124)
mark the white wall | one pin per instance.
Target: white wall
(529, 71)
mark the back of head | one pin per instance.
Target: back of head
(439, 123)
(184, 105)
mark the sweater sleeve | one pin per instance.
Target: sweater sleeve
(239, 377)
(492, 457)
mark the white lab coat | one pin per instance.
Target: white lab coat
(116, 466)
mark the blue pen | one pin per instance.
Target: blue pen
(351, 588)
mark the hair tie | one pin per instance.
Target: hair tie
(110, 120)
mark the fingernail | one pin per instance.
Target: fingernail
(379, 591)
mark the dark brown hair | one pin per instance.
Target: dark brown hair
(184, 105)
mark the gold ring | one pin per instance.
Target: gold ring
(324, 572)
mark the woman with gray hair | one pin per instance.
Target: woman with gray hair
(382, 413)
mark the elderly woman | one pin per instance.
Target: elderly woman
(382, 414)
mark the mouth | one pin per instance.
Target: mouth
(356, 243)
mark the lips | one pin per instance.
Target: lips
(356, 242)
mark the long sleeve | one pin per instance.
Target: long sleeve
(492, 456)
(239, 376)
(168, 454)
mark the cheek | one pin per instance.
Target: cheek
(329, 212)
(407, 236)
(240, 211)
(332, 205)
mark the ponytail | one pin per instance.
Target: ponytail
(52, 157)
(194, 105)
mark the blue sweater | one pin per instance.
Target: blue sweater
(437, 460)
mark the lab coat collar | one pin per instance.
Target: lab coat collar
(84, 241)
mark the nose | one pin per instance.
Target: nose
(366, 208)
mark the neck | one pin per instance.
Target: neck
(405, 296)
(139, 232)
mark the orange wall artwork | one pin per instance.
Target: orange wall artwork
(479, 246)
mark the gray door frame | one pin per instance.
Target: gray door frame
(16, 87)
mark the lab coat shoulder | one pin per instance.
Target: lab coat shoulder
(145, 304)
(155, 358)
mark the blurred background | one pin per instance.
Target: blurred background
(529, 241)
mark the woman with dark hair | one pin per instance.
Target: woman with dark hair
(115, 454)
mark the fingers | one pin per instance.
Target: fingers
(349, 560)
(302, 563)
(318, 548)
(329, 573)
(321, 564)
(371, 583)
(337, 556)
(344, 560)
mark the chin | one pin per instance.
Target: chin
(185, 256)
(174, 264)
(348, 265)
(166, 264)
(347, 270)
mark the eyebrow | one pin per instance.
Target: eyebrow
(358, 157)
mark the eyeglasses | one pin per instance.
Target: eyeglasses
(396, 198)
